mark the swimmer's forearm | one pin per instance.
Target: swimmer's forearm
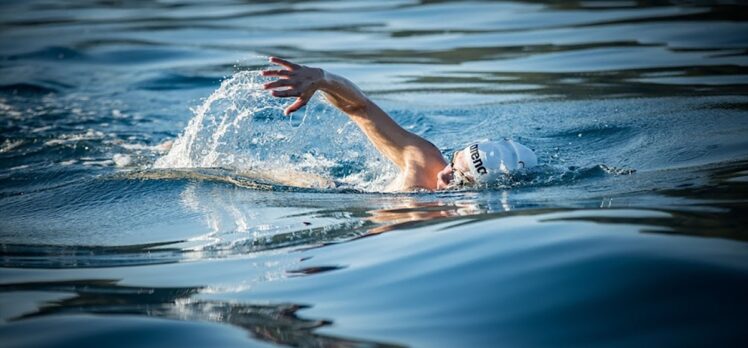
(343, 94)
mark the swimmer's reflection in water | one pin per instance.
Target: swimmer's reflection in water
(410, 213)
(421, 164)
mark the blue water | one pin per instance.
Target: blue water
(150, 193)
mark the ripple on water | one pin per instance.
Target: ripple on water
(631, 232)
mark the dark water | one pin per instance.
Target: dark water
(631, 233)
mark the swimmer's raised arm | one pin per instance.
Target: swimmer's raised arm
(418, 159)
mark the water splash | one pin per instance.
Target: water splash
(206, 141)
(241, 128)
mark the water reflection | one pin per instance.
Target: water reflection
(275, 323)
(241, 221)
(61, 256)
(85, 82)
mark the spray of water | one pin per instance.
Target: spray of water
(241, 128)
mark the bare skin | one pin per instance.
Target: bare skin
(421, 164)
(445, 177)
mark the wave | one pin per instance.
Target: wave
(549, 176)
(261, 180)
(81, 256)
(53, 53)
(241, 128)
(172, 81)
(27, 89)
(248, 178)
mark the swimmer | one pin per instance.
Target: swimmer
(421, 164)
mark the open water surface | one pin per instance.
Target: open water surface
(152, 195)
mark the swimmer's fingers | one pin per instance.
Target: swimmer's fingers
(278, 73)
(284, 63)
(298, 104)
(286, 93)
(278, 83)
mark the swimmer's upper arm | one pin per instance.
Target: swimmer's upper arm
(417, 158)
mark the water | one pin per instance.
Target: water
(151, 195)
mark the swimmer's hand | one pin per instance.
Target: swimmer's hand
(300, 82)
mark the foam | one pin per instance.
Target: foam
(242, 128)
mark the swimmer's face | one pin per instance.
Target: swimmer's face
(457, 172)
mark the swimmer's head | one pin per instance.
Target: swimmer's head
(484, 163)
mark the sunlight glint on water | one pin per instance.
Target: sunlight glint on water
(255, 229)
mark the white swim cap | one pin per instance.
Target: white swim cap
(488, 161)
